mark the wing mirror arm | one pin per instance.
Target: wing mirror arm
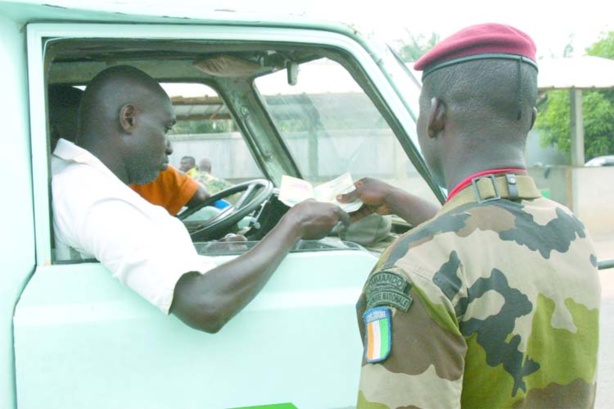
(292, 69)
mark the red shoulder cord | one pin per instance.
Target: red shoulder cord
(467, 181)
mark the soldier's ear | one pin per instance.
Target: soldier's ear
(128, 115)
(533, 117)
(437, 117)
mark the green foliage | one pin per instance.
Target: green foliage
(553, 119)
(202, 127)
(598, 124)
(604, 47)
(416, 46)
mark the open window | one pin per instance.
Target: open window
(261, 109)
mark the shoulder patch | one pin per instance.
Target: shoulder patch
(378, 334)
(386, 288)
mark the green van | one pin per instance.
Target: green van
(297, 97)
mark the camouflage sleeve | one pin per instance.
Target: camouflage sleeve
(414, 351)
(213, 184)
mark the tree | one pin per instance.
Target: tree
(201, 126)
(598, 107)
(416, 46)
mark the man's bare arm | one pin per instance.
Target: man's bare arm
(382, 198)
(198, 197)
(208, 301)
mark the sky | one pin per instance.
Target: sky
(552, 25)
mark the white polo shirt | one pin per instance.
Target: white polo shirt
(95, 215)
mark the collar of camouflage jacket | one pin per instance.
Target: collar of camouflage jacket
(491, 187)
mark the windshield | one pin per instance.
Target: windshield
(331, 126)
(408, 81)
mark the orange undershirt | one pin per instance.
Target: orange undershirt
(171, 190)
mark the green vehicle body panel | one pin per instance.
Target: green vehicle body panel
(17, 246)
(284, 344)
(72, 337)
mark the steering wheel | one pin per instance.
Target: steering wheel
(255, 192)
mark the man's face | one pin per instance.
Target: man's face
(205, 165)
(149, 154)
(186, 164)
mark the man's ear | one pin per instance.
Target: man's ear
(533, 117)
(437, 117)
(128, 117)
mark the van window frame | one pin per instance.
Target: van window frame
(39, 36)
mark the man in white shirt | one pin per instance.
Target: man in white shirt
(124, 118)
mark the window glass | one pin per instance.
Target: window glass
(331, 126)
(205, 129)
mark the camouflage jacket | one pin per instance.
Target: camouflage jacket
(212, 184)
(487, 305)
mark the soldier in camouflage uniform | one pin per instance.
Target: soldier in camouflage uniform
(494, 301)
(212, 184)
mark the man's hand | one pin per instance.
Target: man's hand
(316, 219)
(373, 194)
(208, 301)
(381, 198)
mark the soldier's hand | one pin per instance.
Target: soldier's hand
(372, 193)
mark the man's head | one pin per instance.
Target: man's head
(479, 87)
(205, 165)
(124, 117)
(63, 102)
(187, 163)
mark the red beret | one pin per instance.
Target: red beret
(481, 41)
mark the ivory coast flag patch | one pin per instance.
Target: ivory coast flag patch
(378, 334)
